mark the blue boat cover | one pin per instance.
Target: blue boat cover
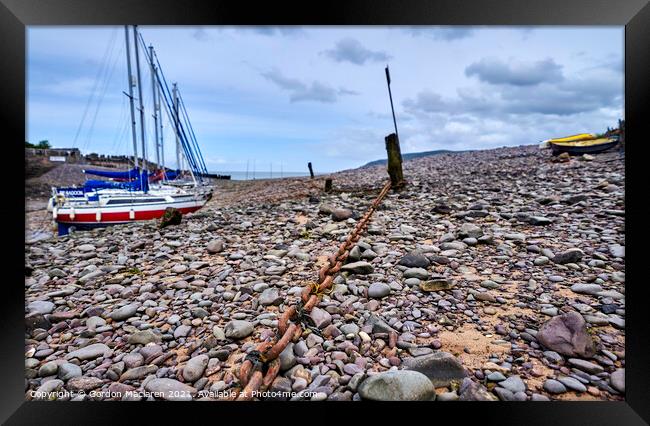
(128, 174)
(140, 183)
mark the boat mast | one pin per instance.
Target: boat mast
(156, 105)
(130, 95)
(160, 123)
(137, 68)
(178, 148)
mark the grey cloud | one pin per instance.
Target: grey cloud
(274, 30)
(351, 50)
(583, 94)
(200, 34)
(300, 91)
(496, 71)
(445, 33)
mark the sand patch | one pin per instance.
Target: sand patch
(479, 345)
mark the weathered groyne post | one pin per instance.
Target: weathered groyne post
(328, 185)
(311, 171)
(394, 161)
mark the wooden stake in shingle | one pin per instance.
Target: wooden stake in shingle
(328, 185)
(394, 161)
(311, 171)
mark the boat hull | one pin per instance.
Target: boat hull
(580, 150)
(88, 217)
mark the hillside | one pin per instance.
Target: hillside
(412, 155)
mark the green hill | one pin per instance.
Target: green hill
(412, 155)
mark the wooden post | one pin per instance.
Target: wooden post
(328, 185)
(311, 171)
(621, 134)
(394, 161)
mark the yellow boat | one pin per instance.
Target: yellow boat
(580, 147)
(575, 138)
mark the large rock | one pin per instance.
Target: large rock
(215, 246)
(41, 307)
(470, 230)
(617, 380)
(572, 255)
(321, 317)
(195, 367)
(238, 329)
(90, 352)
(171, 216)
(378, 290)
(170, 389)
(471, 391)
(440, 367)
(567, 334)
(414, 261)
(270, 296)
(342, 214)
(143, 337)
(397, 385)
(125, 312)
(361, 268)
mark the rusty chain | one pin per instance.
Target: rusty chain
(262, 365)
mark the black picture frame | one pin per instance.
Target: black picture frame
(15, 15)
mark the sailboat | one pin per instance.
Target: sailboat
(136, 194)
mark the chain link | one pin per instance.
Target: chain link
(261, 366)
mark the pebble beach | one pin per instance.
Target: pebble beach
(492, 275)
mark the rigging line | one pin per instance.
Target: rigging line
(92, 93)
(106, 81)
(120, 124)
(196, 143)
(180, 128)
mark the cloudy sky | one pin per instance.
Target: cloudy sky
(283, 96)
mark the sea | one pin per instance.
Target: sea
(260, 175)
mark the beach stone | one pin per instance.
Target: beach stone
(567, 335)
(238, 329)
(172, 216)
(287, 357)
(470, 230)
(341, 214)
(41, 307)
(514, 384)
(125, 312)
(143, 337)
(48, 369)
(360, 268)
(195, 367)
(397, 385)
(321, 317)
(419, 273)
(586, 288)
(440, 367)
(414, 261)
(584, 365)
(573, 384)
(573, 255)
(182, 331)
(90, 352)
(471, 391)
(270, 296)
(215, 246)
(84, 383)
(171, 390)
(378, 290)
(553, 386)
(138, 373)
(68, 371)
(617, 380)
